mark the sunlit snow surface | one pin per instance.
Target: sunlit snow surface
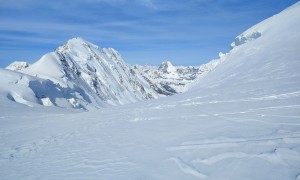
(241, 121)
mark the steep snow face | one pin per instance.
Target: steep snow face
(18, 65)
(274, 55)
(175, 79)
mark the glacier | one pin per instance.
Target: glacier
(239, 121)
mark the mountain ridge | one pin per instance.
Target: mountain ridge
(97, 77)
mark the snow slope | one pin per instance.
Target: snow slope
(241, 121)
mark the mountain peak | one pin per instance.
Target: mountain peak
(74, 43)
(76, 40)
(167, 67)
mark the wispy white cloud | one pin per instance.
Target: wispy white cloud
(147, 3)
(19, 4)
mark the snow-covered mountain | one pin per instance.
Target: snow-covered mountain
(240, 121)
(88, 76)
(99, 75)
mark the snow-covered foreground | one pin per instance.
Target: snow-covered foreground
(249, 138)
(241, 121)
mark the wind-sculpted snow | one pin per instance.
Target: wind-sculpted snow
(240, 121)
(33, 91)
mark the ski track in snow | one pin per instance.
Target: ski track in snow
(270, 156)
(232, 142)
(188, 169)
(253, 99)
(28, 149)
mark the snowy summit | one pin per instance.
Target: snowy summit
(167, 67)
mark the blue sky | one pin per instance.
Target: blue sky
(189, 32)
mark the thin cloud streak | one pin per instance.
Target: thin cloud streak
(94, 30)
